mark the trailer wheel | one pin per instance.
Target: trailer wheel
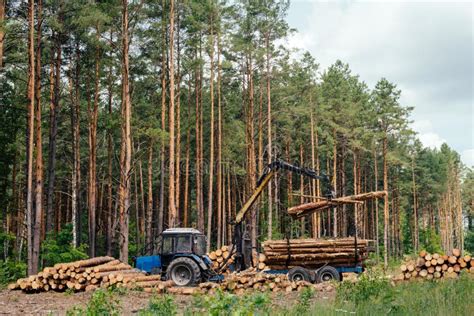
(184, 272)
(299, 274)
(327, 273)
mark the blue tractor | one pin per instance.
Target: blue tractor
(179, 255)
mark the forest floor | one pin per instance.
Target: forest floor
(131, 302)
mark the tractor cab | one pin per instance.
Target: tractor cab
(179, 255)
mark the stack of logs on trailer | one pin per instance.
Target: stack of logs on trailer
(313, 253)
(435, 266)
(87, 275)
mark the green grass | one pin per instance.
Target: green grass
(371, 295)
(377, 296)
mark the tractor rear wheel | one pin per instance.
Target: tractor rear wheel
(184, 271)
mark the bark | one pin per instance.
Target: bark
(141, 214)
(269, 131)
(172, 214)
(199, 206)
(186, 168)
(126, 147)
(53, 130)
(92, 183)
(110, 217)
(376, 173)
(211, 144)
(221, 215)
(251, 151)
(38, 230)
(385, 209)
(163, 128)
(178, 119)
(32, 261)
(149, 209)
(415, 207)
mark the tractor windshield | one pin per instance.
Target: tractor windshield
(200, 245)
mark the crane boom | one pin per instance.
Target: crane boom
(268, 173)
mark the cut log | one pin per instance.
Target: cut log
(91, 262)
(456, 252)
(309, 208)
(423, 253)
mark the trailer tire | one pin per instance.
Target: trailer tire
(184, 271)
(327, 273)
(299, 274)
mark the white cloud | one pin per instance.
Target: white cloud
(426, 134)
(467, 157)
(431, 140)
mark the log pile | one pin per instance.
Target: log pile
(435, 266)
(251, 280)
(88, 275)
(309, 208)
(313, 253)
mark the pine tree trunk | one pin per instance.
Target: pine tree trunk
(161, 210)
(53, 130)
(186, 168)
(221, 219)
(38, 231)
(199, 206)
(385, 208)
(141, 214)
(110, 217)
(269, 133)
(149, 209)
(211, 143)
(92, 183)
(126, 147)
(32, 262)
(178, 122)
(251, 150)
(415, 210)
(172, 214)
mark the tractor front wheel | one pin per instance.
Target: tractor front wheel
(184, 272)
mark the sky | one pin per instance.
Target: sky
(425, 47)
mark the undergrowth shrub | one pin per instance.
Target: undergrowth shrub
(160, 306)
(10, 271)
(223, 303)
(58, 248)
(102, 303)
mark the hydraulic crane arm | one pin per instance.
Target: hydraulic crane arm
(269, 173)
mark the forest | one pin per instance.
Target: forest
(120, 119)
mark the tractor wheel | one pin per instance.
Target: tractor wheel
(299, 274)
(184, 272)
(327, 273)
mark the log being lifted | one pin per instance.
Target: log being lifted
(309, 208)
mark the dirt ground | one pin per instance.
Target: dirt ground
(54, 303)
